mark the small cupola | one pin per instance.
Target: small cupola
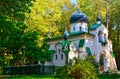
(98, 20)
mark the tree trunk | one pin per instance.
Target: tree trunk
(117, 57)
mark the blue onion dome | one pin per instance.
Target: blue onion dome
(98, 18)
(78, 16)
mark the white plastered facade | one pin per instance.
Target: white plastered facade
(91, 40)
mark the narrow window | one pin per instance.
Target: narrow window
(80, 28)
(73, 28)
(56, 57)
(100, 36)
(59, 51)
(105, 37)
(62, 56)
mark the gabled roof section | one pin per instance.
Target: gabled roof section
(95, 26)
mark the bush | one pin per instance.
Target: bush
(63, 72)
(82, 69)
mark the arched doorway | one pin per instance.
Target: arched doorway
(102, 56)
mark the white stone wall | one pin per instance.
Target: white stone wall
(97, 46)
(52, 46)
(59, 57)
(92, 42)
(89, 43)
(48, 63)
(76, 42)
(99, 49)
(75, 27)
(59, 61)
(82, 53)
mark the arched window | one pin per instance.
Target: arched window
(86, 29)
(105, 37)
(100, 36)
(80, 28)
(61, 56)
(56, 57)
(59, 51)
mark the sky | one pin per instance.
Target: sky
(74, 2)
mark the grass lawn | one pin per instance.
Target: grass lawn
(101, 76)
(29, 77)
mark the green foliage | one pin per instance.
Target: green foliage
(92, 60)
(1, 60)
(49, 18)
(1, 70)
(16, 40)
(63, 72)
(101, 76)
(16, 43)
(83, 69)
(23, 27)
(46, 54)
(45, 18)
(109, 76)
(14, 9)
(80, 69)
(30, 46)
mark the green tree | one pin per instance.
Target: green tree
(15, 41)
(46, 54)
(49, 19)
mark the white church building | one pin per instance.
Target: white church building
(82, 42)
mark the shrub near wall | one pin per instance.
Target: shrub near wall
(81, 69)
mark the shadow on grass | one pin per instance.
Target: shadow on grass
(109, 76)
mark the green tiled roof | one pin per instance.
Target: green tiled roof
(70, 35)
(77, 33)
(88, 51)
(112, 54)
(81, 42)
(94, 26)
(64, 43)
(66, 52)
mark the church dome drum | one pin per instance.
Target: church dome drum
(98, 18)
(78, 16)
